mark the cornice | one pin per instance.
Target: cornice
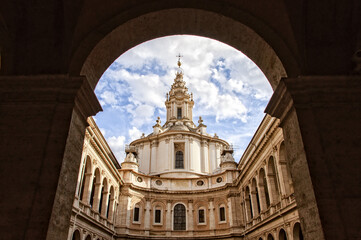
(306, 92)
(227, 186)
(259, 150)
(102, 154)
(160, 136)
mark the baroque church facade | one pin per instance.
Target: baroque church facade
(179, 182)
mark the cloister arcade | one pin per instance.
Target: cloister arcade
(96, 192)
(137, 209)
(256, 196)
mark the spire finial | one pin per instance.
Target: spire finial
(179, 57)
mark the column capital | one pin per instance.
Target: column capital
(314, 91)
(50, 88)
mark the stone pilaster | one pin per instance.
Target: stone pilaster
(168, 225)
(212, 223)
(190, 219)
(147, 216)
(320, 117)
(204, 156)
(87, 187)
(43, 120)
(97, 193)
(254, 203)
(104, 204)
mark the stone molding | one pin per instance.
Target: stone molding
(51, 88)
(314, 92)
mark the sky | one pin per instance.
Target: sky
(230, 92)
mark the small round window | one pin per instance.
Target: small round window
(158, 182)
(139, 179)
(200, 183)
(219, 179)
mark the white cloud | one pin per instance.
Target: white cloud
(117, 146)
(108, 97)
(227, 86)
(134, 134)
(142, 114)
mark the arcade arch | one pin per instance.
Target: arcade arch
(286, 175)
(255, 198)
(272, 180)
(76, 235)
(263, 190)
(85, 180)
(297, 232)
(282, 235)
(103, 202)
(270, 237)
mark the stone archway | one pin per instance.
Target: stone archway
(183, 21)
(312, 116)
(97, 52)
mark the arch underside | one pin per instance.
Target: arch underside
(181, 21)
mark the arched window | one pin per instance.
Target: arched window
(270, 237)
(88, 237)
(263, 190)
(85, 180)
(179, 159)
(272, 180)
(297, 232)
(282, 235)
(76, 235)
(94, 196)
(179, 217)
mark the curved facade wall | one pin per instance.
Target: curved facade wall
(253, 201)
(157, 155)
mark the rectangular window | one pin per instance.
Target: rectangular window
(136, 214)
(179, 113)
(201, 216)
(157, 217)
(179, 160)
(222, 214)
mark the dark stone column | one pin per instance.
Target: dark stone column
(42, 126)
(321, 117)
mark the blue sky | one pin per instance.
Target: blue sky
(230, 92)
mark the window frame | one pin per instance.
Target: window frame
(204, 216)
(219, 214)
(176, 160)
(185, 217)
(179, 113)
(139, 214)
(157, 208)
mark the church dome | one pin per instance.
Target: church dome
(179, 148)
